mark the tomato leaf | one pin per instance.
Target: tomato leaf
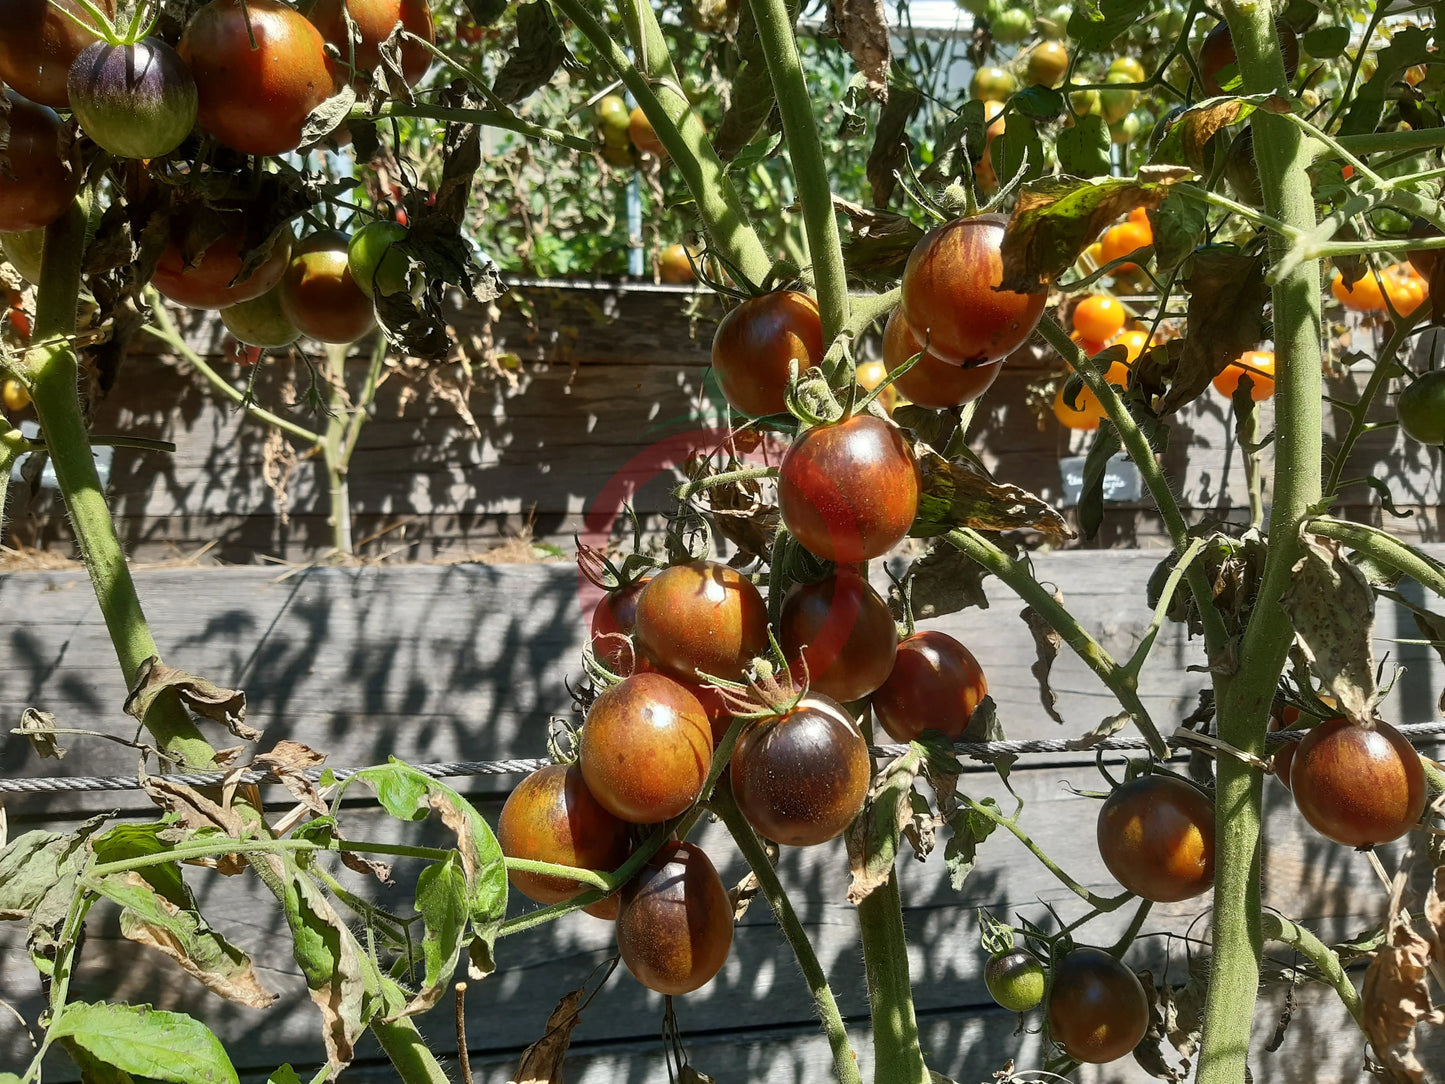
(147, 1042)
(1047, 642)
(205, 698)
(1326, 42)
(542, 1061)
(1096, 26)
(943, 581)
(1039, 102)
(891, 145)
(752, 99)
(1090, 508)
(1178, 225)
(1018, 149)
(486, 12)
(873, 837)
(969, 828)
(1408, 46)
(1333, 611)
(38, 873)
(539, 52)
(879, 241)
(1227, 296)
(861, 27)
(1083, 150)
(1396, 998)
(1107, 727)
(1187, 135)
(1057, 218)
(38, 727)
(408, 795)
(958, 495)
(328, 116)
(284, 1075)
(441, 900)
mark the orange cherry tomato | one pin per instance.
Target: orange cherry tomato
(1089, 412)
(1123, 239)
(1099, 317)
(1364, 296)
(1135, 343)
(1259, 364)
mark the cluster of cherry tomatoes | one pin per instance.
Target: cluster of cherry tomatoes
(1400, 283)
(249, 74)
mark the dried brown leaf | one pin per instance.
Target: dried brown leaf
(742, 895)
(205, 698)
(1047, 642)
(39, 729)
(195, 811)
(1396, 998)
(1227, 295)
(288, 761)
(1333, 611)
(542, 1061)
(872, 838)
(1107, 728)
(958, 495)
(861, 27)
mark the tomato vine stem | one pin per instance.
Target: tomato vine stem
(1278, 928)
(897, 1057)
(810, 169)
(1244, 697)
(845, 1063)
(1384, 548)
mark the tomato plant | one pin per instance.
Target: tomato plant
(1258, 365)
(935, 684)
(320, 296)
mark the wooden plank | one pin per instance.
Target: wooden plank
(759, 992)
(590, 395)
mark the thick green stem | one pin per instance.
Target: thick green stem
(1419, 139)
(403, 1044)
(845, 1062)
(897, 1057)
(679, 129)
(1017, 576)
(1278, 928)
(810, 169)
(51, 372)
(1380, 546)
(1142, 454)
(1244, 699)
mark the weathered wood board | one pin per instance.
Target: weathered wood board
(589, 396)
(468, 662)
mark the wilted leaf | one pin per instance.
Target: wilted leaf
(288, 761)
(205, 698)
(539, 52)
(1227, 295)
(1106, 729)
(1187, 135)
(1432, 627)
(486, 12)
(331, 960)
(39, 729)
(1055, 219)
(1019, 148)
(1102, 450)
(891, 145)
(1046, 643)
(195, 811)
(1149, 1054)
(542, 1061)
(969, 828)
(752, 99)
(329, 115)
(409, 795)
(1333, 612)
(176, 928)
(943, 581)
(957, 495)
(861, 27)
(147, 1042)
(879, 242)
(441, 900)
(742, 895)
(1396, 997)
(873, 837)
(1435, 915)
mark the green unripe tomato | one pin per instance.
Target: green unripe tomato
(1053, 22)
(1171, 23)
(611, 114)
(1084, 102)
(22, 251)
(1422, 408)
(1012, 26)
(1118, 104)
(1015, 980)
(992, 84)
(1125, 130)
(975, 7)
(375, 267)
(1126, 65)
(260, 321)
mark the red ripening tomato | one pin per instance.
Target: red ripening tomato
(40, 182)
(1358, 785)
(675, 921)
(1217, 54)
(553, 817)
(848, 491)
(932, 383)
(800, 778)
(842, 632)
(756, 344)
(950, 296)
(1098, 1011)
(319, 294)
(1098, 318)
(375, 20)
(256, 100)
(613, 620)
(39, 41)
(207, 280)
(1156, 835)
(1258, 365)
(701, 617)
(646, 748)
(935, 684)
